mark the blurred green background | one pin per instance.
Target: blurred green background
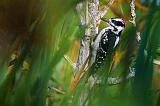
(36, 34)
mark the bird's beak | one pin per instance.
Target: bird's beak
(105, 20)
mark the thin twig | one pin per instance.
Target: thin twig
(77, 77)
(118, 80)
(57, 90)
(104, 11)
(138, 36)
(70, 61)
(157, 62)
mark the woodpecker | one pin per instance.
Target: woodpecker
(106, 41)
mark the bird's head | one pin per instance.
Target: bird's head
(117, 23)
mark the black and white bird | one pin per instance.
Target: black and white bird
(106, 41)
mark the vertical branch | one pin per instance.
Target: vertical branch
(91, 11)
(90, 25)
(85, 40)
(133, 17)
(87, 30)
(133, 14)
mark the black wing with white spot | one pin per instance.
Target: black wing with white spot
(106, 45)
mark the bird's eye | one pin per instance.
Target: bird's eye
(113, 21)
(117, 23)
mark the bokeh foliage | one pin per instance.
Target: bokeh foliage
(39, 33)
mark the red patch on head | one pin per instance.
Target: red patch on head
(123, 21)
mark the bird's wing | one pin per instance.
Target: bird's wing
(103, 48)
(96, 44)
